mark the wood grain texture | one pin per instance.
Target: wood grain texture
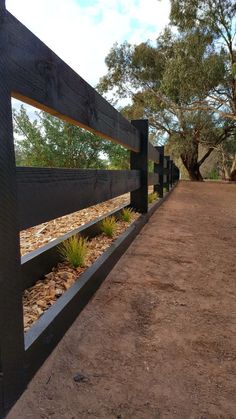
(11, 316)
(40, 78)
(153, 153)
(45, 194)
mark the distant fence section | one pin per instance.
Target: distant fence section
(31, 72)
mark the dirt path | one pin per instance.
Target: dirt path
(159, 338)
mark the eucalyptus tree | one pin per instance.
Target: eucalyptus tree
(216, 18)
(163, 82)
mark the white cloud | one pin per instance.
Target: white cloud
(83, 35)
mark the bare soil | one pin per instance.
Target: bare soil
(158, 340)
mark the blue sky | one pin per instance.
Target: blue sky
(82, 32)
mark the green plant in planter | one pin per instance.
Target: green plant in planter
(74, 251)
(126, 214)
(152, 197)
(108, 226)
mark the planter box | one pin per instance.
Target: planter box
(44, 335)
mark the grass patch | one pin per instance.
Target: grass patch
(126, 215)
(74, 251)
(108, 226)
(152, 197)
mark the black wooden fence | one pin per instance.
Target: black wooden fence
(31, 72)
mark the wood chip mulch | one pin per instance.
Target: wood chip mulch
(38, 236)
(38, 298)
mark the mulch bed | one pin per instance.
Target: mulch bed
(38, 236)
(45, 292)
(38, 298)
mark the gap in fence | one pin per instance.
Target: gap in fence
(44, 140)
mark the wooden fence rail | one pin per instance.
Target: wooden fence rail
(30, 71)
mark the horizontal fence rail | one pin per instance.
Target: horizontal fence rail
(53, 193)
(39, 77)
(31, 72)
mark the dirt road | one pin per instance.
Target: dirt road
(159, 338)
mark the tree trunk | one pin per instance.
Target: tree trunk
(232, 176)
(194, 173)
(190, 162)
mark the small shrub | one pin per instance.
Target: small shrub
(152, 197)
(126, 214)
(74, 250)
(108, 226)
(213, 175)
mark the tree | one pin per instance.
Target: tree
(226, 161)
(163, 81)
(217, 19)
(47, 141)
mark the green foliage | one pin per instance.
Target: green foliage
(213, 174)
(126, 214)
(108, 226)
(118, 156)
(215, 19)
(184, 83)
(50, 142)
(179, 68)
(214, 16)
(74, 251)
(152, 197)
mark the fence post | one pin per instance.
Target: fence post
(166, 173)
(158, 168)
(139, 161)
(11, 310)
(171, 173)
(176, 173)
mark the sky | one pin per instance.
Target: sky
(82, 32)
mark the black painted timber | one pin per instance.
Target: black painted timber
(139, 161)
(31, 72)
(46, 194)
(171, 172)
(158, 168)
(166, 183)
(11, 312)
